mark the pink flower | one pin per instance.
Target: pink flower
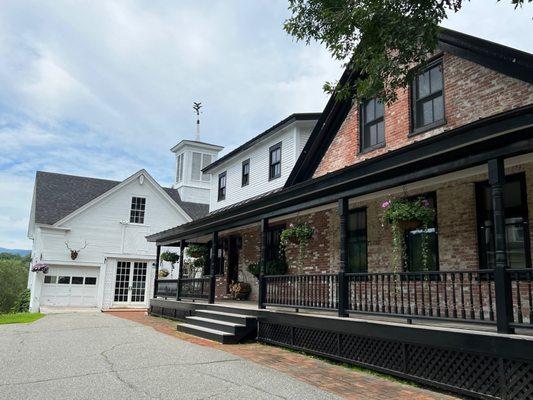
(425, 203)
(385, 204)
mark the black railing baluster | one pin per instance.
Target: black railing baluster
(470, 288)
(371, 292)
(530, 297)
(430, 305)
(491, 306)
(423, 294)
(454, 297)
(415, 295)
(446, 306)
(382, 293)
(461, 282)
(480, 297)
(437, 287)
(398, 278)
(388, 293)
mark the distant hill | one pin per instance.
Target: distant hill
(19, 252)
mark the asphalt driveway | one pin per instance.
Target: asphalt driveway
(98, 356)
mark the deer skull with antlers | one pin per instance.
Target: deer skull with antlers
(74, 253)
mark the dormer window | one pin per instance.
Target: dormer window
(275, 162)
(428, 97)
(138, 206)
(199, 162)
(222, 186)
(179, 170)
(245, 173)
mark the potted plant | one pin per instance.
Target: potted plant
(299, 234)
(403, 215)
(196, 250)
(170, 257)
(200, 262)
(240, 290)
(275, 267)
(163, 273)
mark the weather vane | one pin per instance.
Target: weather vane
(196, 107)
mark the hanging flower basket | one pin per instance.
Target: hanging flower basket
(240, 290)
(40, 267)
(410, 225)
(196, 251)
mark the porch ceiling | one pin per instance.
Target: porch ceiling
(505, 135)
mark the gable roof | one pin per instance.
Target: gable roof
(269, 132)
(59, 195)
(506, 60)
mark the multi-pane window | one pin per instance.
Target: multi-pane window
(179, 168)
(245, 172)
(199, 162)
(222, 186)
(414, 241)
(372, 124)
(273, 240)
(275, 162)
(516, 223)
(357, 241)
(138, 206)
(428, 97)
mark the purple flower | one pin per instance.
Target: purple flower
(40, 267)
(386, 204)
(425, 203)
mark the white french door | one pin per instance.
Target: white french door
(130, 282)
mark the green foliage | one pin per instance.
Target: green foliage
(299, 234)
(13, 279)
(379, 39)
(169, 257)
(22, 304)
(400, 211)
(20, 318)
(200, 253)
(276, 267)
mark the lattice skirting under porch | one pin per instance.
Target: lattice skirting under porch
(444, 364)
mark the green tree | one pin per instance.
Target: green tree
(13, 279)
(380, 39)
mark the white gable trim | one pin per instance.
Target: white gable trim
(118, 187)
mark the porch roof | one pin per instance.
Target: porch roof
(504, 135)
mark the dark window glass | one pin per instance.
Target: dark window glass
(372, 124)
(272, 243)
(63, 280)
(219, 265)
(516, 222)
(428, 96)
(77, 280)
(50, 279)
(245, 172)
(222, 186)
(414, 239)
(275, 162)
(90, 280)
(357, 241)
(138, 206)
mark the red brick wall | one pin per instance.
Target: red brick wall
(471, 92)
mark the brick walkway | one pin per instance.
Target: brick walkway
(336, 379)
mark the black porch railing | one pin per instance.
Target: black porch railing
(194, 288)
(461, 296)
(319, 291)
(167, 288)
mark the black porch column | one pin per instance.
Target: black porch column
(502, 283)
(214, 259)
(180, 269)
(342, 207)
(157, 255)
(262, 263)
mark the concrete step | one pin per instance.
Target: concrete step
(224, 326)
(207, 333)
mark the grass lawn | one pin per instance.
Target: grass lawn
(21, 318)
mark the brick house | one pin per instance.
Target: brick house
(461, 138)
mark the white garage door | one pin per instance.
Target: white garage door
(70, 287)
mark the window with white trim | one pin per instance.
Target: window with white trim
(138, 207)
(179, 168)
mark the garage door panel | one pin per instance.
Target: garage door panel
(70, 287)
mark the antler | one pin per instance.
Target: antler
(68, 247)
(84, 246)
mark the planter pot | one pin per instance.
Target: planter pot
(409, 225)
(241, 295)
(195, 254)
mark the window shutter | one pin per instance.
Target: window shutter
(206, 160)
(196, 173)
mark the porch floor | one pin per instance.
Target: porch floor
(251, 305)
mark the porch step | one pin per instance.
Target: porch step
(207, 333)
(220, 326)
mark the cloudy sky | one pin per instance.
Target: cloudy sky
(104, 88)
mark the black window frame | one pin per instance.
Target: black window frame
(137, 210)
(273, 234)
(221, 192)
(479, 187)
(415, 129)
(363, 148)
(245, 176)
(348, 238)
(272, 166)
